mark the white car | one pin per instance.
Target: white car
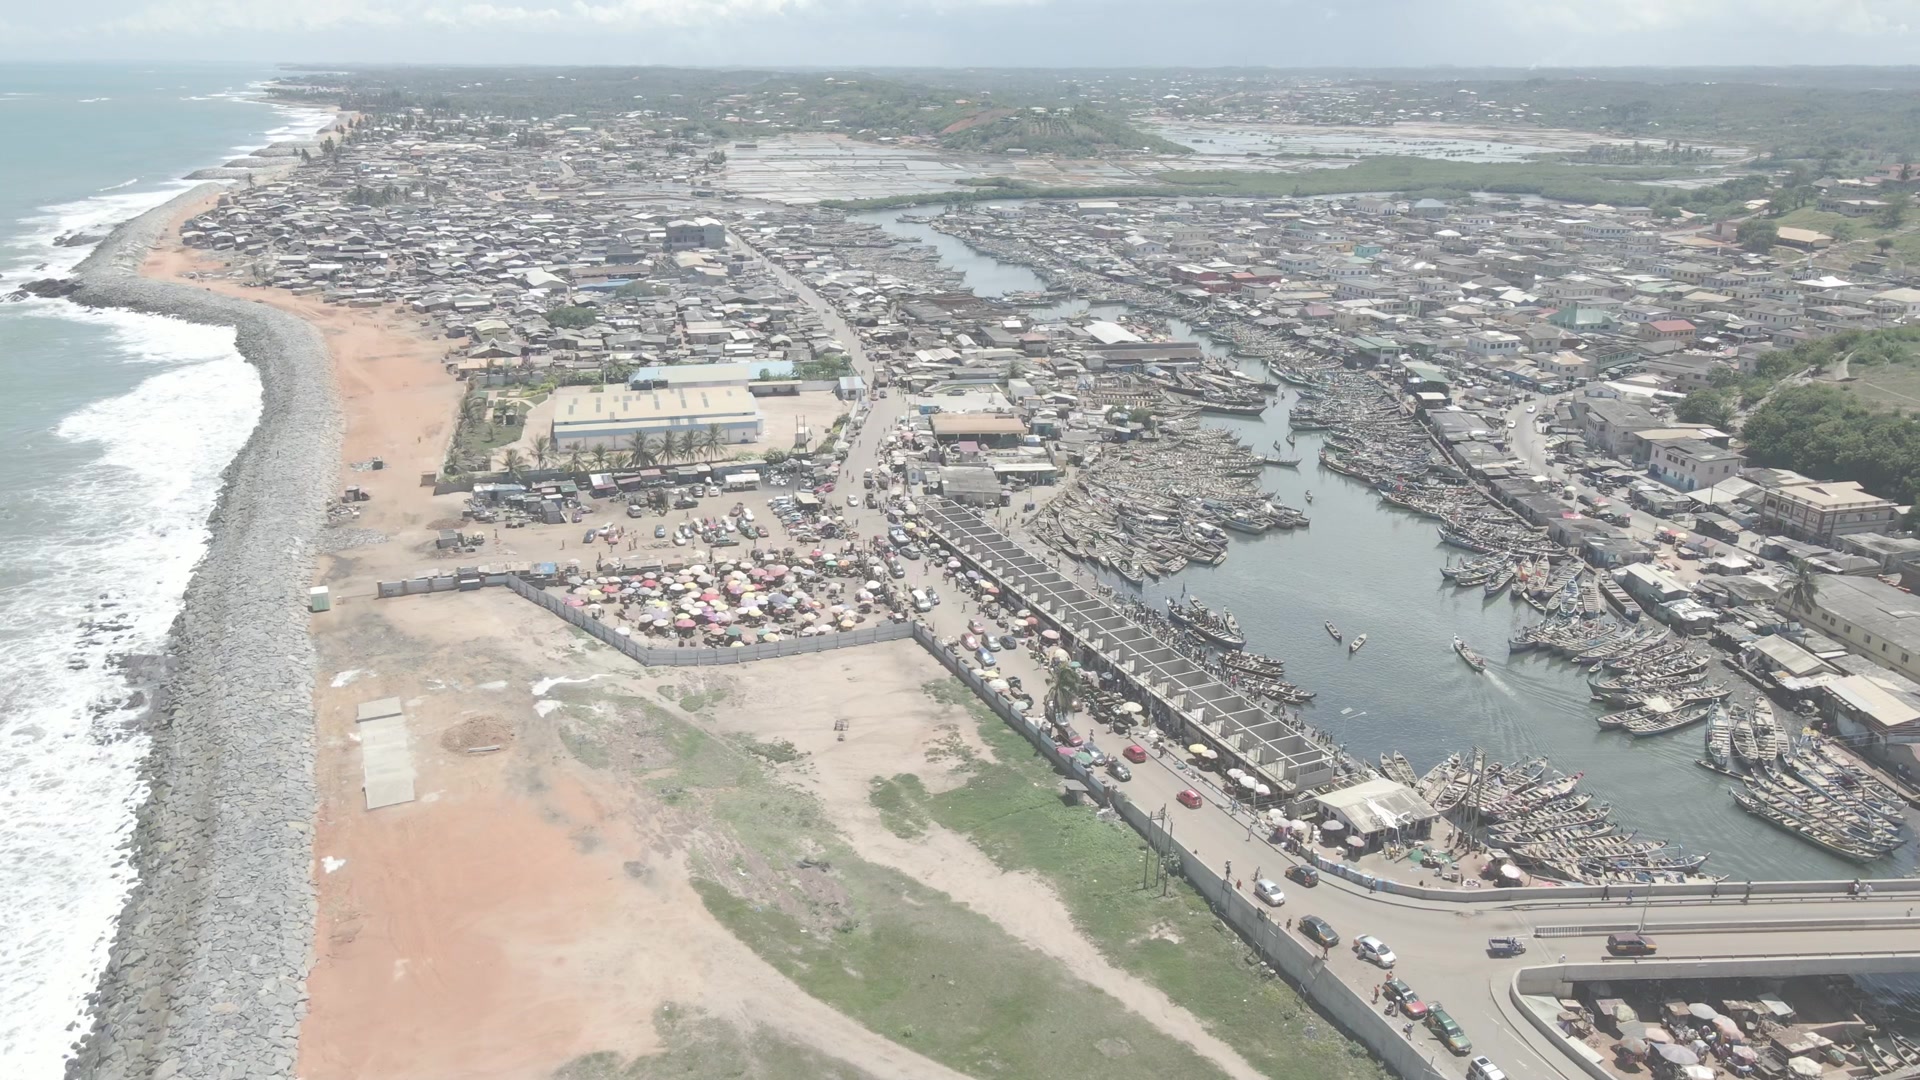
(853, 499)
(1530, 408)
(1482, 1068)
(1269, 890)
(1368, 947)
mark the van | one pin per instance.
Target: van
(1630, 945)
(920, 601)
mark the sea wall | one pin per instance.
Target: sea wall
(207, 973)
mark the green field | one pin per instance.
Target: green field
(1011, 810)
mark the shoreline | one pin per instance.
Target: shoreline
(213, 944)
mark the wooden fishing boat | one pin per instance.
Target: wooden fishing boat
(1472, 659)
(1333, 631)
(1356, 644)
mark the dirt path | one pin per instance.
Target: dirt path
(892, 724)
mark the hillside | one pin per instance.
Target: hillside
(1076, 132)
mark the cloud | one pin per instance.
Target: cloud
(1094, 33)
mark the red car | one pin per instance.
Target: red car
(1135, 753)
(1189, 799)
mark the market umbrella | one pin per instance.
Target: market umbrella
(953, 564)
(1262, 790)
(1636, 1047)
(1804, 1066)
(1050, 635)
(1247, 782)
(997, 684)
(1510, 872)
(1744, 1053)
(1132, 708)
(1701, 1011)
(1674, 1054)
(1357, 843)
(1197, 749)
(1332, 825)
(1728, 1028)
(684, 624)
(574, 601)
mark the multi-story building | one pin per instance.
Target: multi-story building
(1821, 512)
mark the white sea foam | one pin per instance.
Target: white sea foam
(133, 530)
(133, 526)
(121, 184)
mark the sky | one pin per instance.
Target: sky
(997, 33)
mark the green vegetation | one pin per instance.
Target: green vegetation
(1010, 810)
(485, 425)
(1412, 177)
(1710, 407)
(584, 748)
(899, 801)
(572, 317)
(695, 1045)
(826, 366)
(1759, 234)
(943, 981)
(1855, 430)
(1074, 132)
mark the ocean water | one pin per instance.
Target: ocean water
(116, 430)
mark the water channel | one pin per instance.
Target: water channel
(1370, 569)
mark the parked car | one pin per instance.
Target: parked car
(1189, 799)
(1483, 1068)
(1268, 890)
(659, 532)
(1118, 770)
(1402, 995)
(1319, 931)
(1135, 753)
(1447, 1030)
(1303, 875)
(1630, 945)
(1372, 949)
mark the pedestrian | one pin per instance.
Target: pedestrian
(1289, 922)
(1563, 958)
(1407, 1031)
(1376, 993)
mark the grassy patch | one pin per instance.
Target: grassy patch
(950, 984)
(1013, 813)
(584, 748)
(694, 702)
(774, 752)
(699, 1046)
(901, 802)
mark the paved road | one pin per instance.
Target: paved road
(1441, 944)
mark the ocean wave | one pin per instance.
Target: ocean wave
(121, 184)
(39, 255)
(131, 526)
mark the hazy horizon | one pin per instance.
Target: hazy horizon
(980, 33)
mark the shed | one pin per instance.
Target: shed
(1375, 807)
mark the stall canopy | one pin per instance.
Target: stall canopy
(1377, 806)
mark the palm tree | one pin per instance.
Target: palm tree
(639, 451)
(512, 462)
(687, 447)
(716, 438)
(542, 451)
(573, 460)
(1805, 587)
(599, 457)
(657, 449)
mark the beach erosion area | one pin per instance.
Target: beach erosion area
(206, 975)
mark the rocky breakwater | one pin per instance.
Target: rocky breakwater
(207, 974)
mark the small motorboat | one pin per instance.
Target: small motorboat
(1354, 647)
(1334, 631)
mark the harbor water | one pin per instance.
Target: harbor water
(1374, 570)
